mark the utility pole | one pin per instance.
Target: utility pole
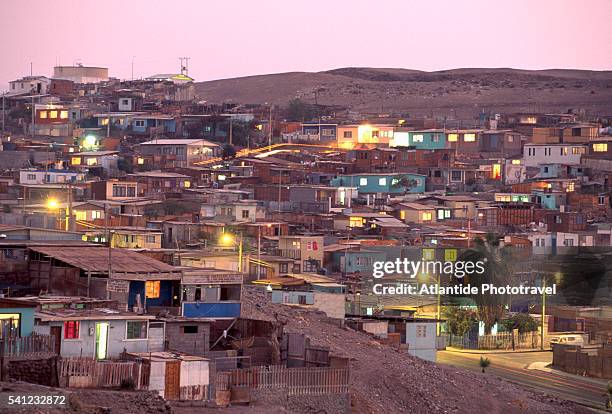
(543, 312)
(270, 127)
(230, 131)
(108, 120)
(3, 126)
(133, 67)
(33, 116)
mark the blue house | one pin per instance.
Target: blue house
(16, 318)
(426, 139)
(356, 261)
(211, 293)
(382, 183)
(143, 123)
(551, 200)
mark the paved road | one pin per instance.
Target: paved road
(513, 367)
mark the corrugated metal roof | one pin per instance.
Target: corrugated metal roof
(95, 259)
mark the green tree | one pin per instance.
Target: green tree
(459, 320)
(404, 182)
(297, 110)
(521, 321)
(497, 263)
(228, 151)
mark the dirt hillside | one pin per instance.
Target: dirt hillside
(450, 93)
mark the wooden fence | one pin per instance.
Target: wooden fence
(28, 346)
(293, 381)
(89, 373)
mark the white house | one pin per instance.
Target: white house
(49, 176)
(421, 338)
(29, 84)
(536, 154)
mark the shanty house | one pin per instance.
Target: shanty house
(135, 280)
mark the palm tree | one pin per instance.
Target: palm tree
(484, 363)
(497, 271)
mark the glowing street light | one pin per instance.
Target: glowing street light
(228, 239)
(52, 204)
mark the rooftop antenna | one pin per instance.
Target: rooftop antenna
(184, 66)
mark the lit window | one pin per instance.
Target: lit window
(81, 215)
(516, 162)
(75, 161)
(429, 254)
(417, 138)
(92, 161)
(469, 137)
(578, 150)
(187, 184)
(152, 289)
(452, 137)
(450, 255)
(355, 222)
(402, 214)
(140, 161)
(64, 114)
(426, 216)
(71, 330)
(382, 181)
(53, 114)
(363, 181)
(600, 147)
(570, 187)
(136, 330)
(43, 114)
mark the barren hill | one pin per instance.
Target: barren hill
(456, 92)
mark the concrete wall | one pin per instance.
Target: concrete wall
(192, 343)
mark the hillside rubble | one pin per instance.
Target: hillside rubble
(385, 380)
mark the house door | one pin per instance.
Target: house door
(173, 376)
(56, 332)
(101, 340)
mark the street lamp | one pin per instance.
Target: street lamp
(53, 205)
(228, 239)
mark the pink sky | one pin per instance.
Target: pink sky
(236, 38)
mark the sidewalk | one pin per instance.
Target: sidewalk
(492, 351)
(542, 366)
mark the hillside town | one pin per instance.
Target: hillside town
(222, 254)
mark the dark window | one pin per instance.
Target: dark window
(230, 292)
(136, 330)
(198, 294)
(576, 132)
(190, 329)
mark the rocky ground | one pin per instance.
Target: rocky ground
(384, 380)
(84, 401)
